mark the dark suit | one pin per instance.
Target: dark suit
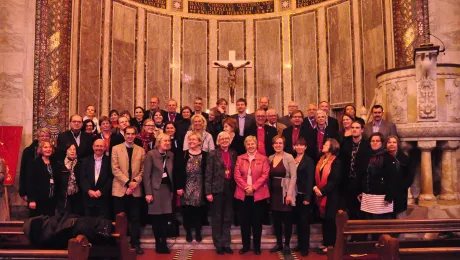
(28, 155)
(137, 124)
(332, 123)
(149, 114)
(67, 137)
(270, 132)
(39, 187)
(248, 123)
(204, 114)
(305, 183)
(286, 120)
(96, 207)
(222, 190)
(328, 133)
(177, 118)
(114, 140)
(289, 146)
(386, 129)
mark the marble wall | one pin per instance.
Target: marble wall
(328, 50)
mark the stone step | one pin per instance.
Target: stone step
(235, 230)
(268, 241)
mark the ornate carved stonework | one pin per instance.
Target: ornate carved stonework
(425, 76)
(432, 130)
(397, 102)
(379, 96)
(453, 101)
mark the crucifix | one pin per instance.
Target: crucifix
(232, 66)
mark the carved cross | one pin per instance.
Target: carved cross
(232, 65)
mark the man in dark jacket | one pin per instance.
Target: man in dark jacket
(264, 133)
(75, 136)
(96, 182)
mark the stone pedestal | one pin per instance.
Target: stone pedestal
(426, 197)
(448, 195)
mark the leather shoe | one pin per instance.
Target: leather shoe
(303, 253)
(188, 237)
(228, 250)
(138, 249)
(220, 251)
(257, 252)
(286, 250)
(276, 248)
(198, 238)
(243, 251)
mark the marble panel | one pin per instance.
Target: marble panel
(305, 81)
(268, 62)
(194, 78)
(340, 54)
(158, 56)
(89, 83)
(123, 57)
(373, 44)
(231, 37)
(445, 25)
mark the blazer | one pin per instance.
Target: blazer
(176, 119)
(120, 167)
(28, 155)
(291, 174)
(103, 184)
(38, 179)
(215, 171)
(328, 133)
(248, 123)
(331, 190)
(260, 170)
(332, 123)
(270, 132)
(288, 145)
(285, 120)
(350, 186)
(153, 171)
(386, 129)
(85, 148)
(279, 127)
(305, 178)
(61, 182)
(137, 124)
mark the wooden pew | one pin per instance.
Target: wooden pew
(347, 227)
(388, 249)
(122, 249)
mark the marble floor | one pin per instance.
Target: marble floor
(190, 254)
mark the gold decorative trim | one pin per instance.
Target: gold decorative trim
(231, 8)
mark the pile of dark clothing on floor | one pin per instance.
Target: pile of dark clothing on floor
(54, 232)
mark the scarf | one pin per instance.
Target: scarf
(146, 138)
(72, 187)
(321, 180)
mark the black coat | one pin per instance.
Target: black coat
(177, 118)
(381, 176)
(289, 146)
(115, 139)
(328, 133)
(270, 132)
(331, 189)
(237, 144)
(38, 180)
(351, 186)
(404, 179)
(65, 138)
(214, 129)
(215, 171)
(137, 124)
(61, 181)
(180, 174)
(28, 155)
(182, 127)
(306, 177)
(204, 114)
(149, 114)
(333, 124)
(104, 182)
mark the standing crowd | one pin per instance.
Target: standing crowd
(239, 168)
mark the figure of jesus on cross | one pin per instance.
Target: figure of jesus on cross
(232, 66)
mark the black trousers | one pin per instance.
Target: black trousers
(193, 217)
(131, 206)
(46, 207)
(159, 228)
(370, 216)
(221, 217)
(97, 208)
(280, 218)
(303, 215)
(329, 231)
(251, 214)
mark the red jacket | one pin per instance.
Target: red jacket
(260, 170)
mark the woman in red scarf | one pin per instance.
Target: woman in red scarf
(146, 139)
(327, 178)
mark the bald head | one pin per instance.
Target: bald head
(99, 147)
(272, 116)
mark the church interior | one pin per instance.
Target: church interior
(59, 56)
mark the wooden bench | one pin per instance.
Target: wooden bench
(388, 249)
(347, 227)
(122, 249)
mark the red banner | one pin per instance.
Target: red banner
(10, 141)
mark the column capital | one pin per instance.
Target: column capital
(426, 145)
(449, 145)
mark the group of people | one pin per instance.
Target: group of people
(244, 164)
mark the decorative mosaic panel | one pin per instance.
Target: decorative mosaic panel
(231, 8)
(52, 61)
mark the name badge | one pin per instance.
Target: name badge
(164, 175)
(52, 181)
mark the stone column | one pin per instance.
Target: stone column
(447, 195)
(406, 147)
(426, 197)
